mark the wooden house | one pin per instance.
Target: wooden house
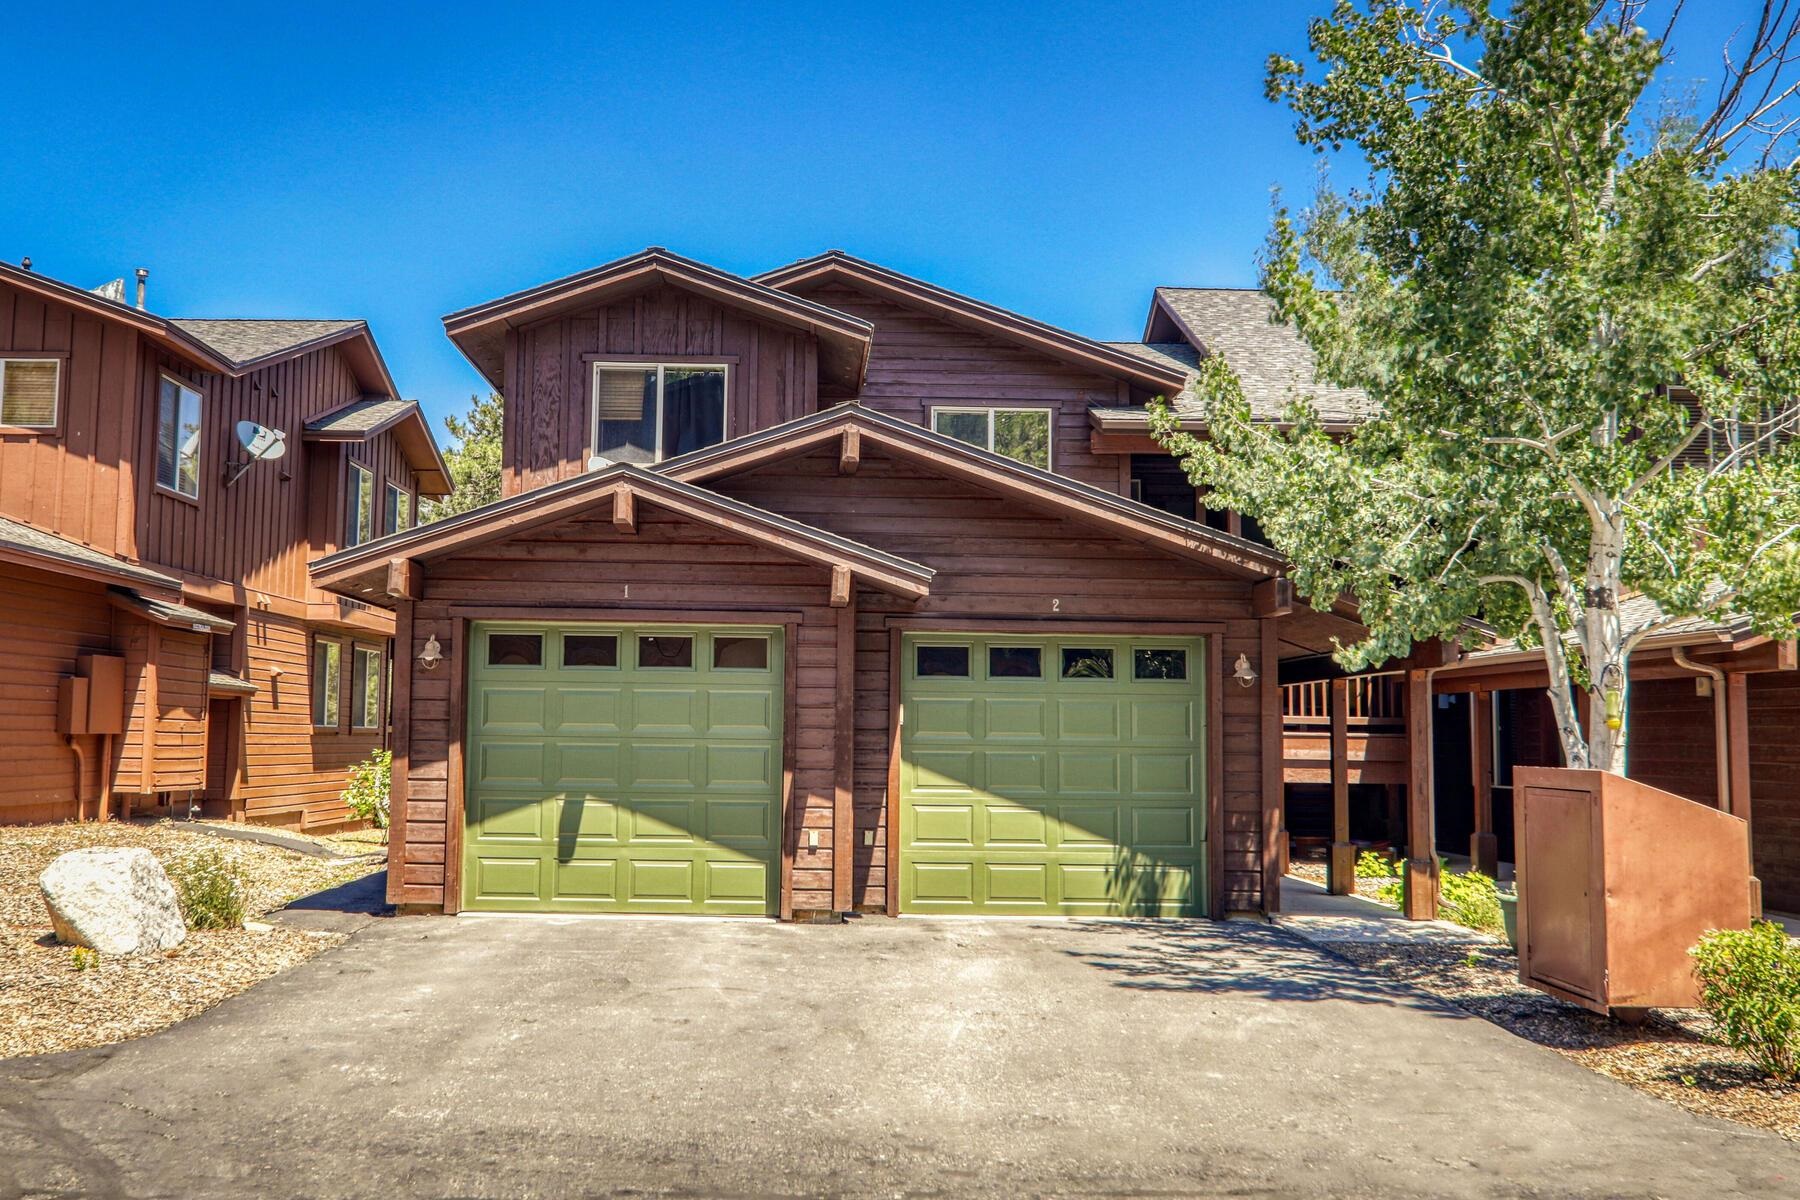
(825, 591)
(163, 645)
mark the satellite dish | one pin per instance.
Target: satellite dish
(260, 442)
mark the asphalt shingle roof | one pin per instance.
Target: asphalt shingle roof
(1271, 361)
(371, 412)
(245, 341)
(1635, 611)
(48, 545)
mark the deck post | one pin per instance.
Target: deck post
(1484, 847)
(1737, 723)
(1421, 892)
(1340, 874)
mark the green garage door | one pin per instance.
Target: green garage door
(617, 768)
(1044, 776)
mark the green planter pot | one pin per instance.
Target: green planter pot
(1509, 913)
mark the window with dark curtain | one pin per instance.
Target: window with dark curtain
(693, 409)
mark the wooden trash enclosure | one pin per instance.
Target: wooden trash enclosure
(1617, 880)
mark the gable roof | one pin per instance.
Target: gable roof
(480, 331)
(1272, 361)
(835, 266)
(159, 330)
(32, 547)
(362, 571)
(371, 416)
(1078, 501)
(244, 342)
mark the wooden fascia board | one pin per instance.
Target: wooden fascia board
(1154, 535)
(57, 565)
(949, 306)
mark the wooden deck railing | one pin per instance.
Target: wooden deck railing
(1373, 702)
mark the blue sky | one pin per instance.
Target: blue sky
(400, 162)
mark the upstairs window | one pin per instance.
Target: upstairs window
(360, 505)
(646, 412)
(28, 392)
(1022, 434)
(399, 509)
(178, 438)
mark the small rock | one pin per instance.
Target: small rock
(259, 927)
(113, 901)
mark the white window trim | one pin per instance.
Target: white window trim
(352, 501)
(990, 410)
(199, 443)
(54, 360)
(595, 459)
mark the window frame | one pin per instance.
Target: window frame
(181, 385)
(356, 474)
(992, 411)
(391, 491)
(357, 650)
(596, 363)
(317, 698)
(56, 359)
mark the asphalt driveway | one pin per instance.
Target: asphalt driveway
(499, 1057)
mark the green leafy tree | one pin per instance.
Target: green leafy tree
(474, 460)
(1555, 293)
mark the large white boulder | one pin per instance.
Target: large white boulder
(115, 901)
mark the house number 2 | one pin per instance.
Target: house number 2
(1056, 605)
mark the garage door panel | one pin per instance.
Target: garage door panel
(591, 710)
(1087, 720)
(665, 712)
(1017, 773)
(1088, 772)
(649, 789)
(512, 710)
(1078, 795)
(587, 765)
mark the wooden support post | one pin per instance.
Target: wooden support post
(1737, 723)
(1340, 873)
(625, 510)
(1484, 847)
(1421, 894)
(1274, 783)
(843, 810)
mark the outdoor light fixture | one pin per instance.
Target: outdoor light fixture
(432, 654)
(1243, 672)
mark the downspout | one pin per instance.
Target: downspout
(1721, 748)
(80, 774)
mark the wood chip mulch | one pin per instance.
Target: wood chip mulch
(1669, 1056)
(48, 1005)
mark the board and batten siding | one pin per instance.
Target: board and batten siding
(78, 480)
(1774, 701)
(584, 569)
(50, 619)
(257, 532)
(919, 362)
(773, 374)
(998, 560)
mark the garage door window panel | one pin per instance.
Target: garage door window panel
(665, 652)
(590, 650)
(1087, 662)
(941, 662)
(740, 653)
(1015, 662)
(515, 650)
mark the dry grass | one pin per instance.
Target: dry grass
(48, 1005)
(1669, 1056)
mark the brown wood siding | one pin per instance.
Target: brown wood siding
(1672, 739)
(182, 661)
(773, 374)
(292, 774)
(918, 361)
(585, 564)
(1010, 562)
(49, 620)
(1774, 796)
(77, 481)
(257, 531)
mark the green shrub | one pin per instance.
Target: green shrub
(83, 958)
(367, 791)
(211, 894)
(1392, 893)
(1372, 864)
(1750, 987)
(1471, 899)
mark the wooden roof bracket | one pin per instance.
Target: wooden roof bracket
(850, 451)
(404, 578)
(624, 516)
(840, 587)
